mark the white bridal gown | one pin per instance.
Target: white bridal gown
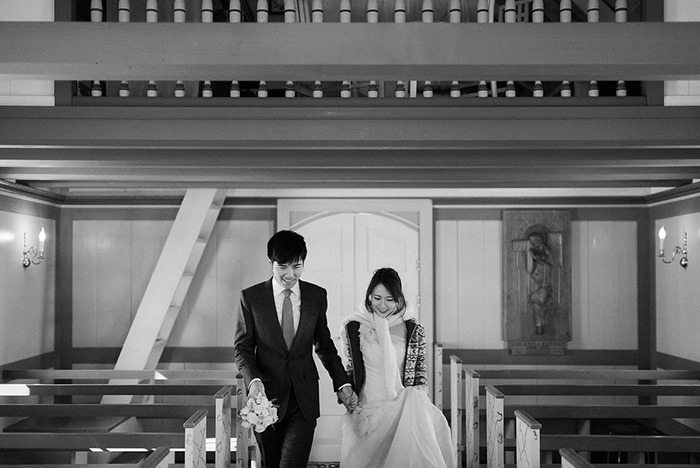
(396, 427)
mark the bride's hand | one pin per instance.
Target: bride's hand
(348, 398)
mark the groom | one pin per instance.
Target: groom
(273, 344)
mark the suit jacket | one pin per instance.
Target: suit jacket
(260, 350)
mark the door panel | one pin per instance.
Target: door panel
(344, 250)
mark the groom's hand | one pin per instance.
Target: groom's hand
(256, 387)
(348, 398)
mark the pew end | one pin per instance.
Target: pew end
(571, 459)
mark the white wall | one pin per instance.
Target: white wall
(678, 290)
(26, 92)
(113, 260)
(469, 283)
(27, 294)
(682, 93)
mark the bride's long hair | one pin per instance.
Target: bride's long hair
(389, 278)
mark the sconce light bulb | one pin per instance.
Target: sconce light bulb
(42, 238)
(662, 233)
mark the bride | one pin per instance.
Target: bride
(395, 423)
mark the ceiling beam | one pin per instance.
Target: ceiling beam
(343, 129)
(357, 51)
(339, 158)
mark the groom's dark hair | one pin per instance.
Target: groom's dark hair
(286, 247)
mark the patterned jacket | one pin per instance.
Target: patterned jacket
(415, 373)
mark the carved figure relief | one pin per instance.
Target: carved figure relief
(537, 286)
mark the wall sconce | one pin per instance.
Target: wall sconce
(33, 255)
(676, 250)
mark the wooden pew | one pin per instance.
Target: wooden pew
(10, 375)
(530, 442)
(156, 459)
(246, 451)
(104, 441)
(466, 386)
(192, 439)
(610, 375)
(91, 389)
(572, 459)
(496, 415)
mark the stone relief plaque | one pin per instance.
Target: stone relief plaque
(537, 281)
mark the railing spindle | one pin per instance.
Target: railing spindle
(179, 16)
(621, 17)
(234, 16)
(509, 16)
(345, 17)
(96, 16)
(152, 17)
(207, 17)
(482, 16)
(317, 17)
(593, 15)
(372, 18)
(124, 17)
(400, 17)
(455, 17)
(538, 17)
(565, 11)
(428, 17)
(262, 13)
(290, 16)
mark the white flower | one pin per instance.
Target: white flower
(258, 413)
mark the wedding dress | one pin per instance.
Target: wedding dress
(395, 427)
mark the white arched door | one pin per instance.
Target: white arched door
(345, 247)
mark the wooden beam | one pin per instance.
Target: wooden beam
(357, 51)
(411, 126)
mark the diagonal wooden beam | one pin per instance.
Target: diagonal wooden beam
(357, 51)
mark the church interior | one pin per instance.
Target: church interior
(531, 168)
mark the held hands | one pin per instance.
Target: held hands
(348, 398)
(256, 387)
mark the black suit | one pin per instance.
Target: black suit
(290, 376)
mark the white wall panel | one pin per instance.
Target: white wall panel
(242, 254)
(113, 277)
(114, 259)
(612, 279)
(85, 258)
(27, 295)
(196, 322)
(469, 283)
(678, 290)
(446, 279)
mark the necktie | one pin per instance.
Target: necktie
(287, 319)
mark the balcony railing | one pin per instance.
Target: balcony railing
(469, 93)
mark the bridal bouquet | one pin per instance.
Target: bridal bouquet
(258, 413)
